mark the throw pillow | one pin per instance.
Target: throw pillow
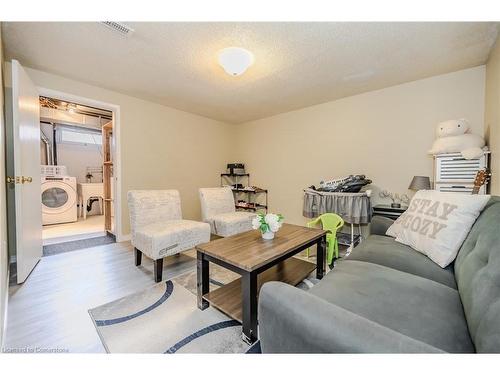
(436, 223)
(395, 228)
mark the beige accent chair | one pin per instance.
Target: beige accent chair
(158, 229)
(218, 209)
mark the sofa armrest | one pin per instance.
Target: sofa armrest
(294, 321)
(380, 224)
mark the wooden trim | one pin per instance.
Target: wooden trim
(107, 134)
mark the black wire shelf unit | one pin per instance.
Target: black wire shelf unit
(247, 197)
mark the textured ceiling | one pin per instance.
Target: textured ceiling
(296, 64)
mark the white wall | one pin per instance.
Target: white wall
(384, 134)
(4, 264)
(492, 114)
(162, 148)
(76, 157)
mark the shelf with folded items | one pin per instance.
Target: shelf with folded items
(250, 206)
(247, 197)
(251, 191)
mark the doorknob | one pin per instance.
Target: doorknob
(19, 180)
(13, 180)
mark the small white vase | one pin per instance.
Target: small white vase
(268, 235)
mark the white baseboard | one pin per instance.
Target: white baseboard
(124, 238)
(6, 302)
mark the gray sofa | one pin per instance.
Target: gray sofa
(386, 297)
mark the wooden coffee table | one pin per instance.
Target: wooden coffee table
(257, 261)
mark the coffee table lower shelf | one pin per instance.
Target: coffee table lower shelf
(227, 298)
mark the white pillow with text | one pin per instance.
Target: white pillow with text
(437, 223)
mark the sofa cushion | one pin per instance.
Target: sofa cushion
(160, 239)
(387, 252)
(231, 223)
(417, 307)
(477, 270)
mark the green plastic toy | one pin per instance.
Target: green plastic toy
(331, 223)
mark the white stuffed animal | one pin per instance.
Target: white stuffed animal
(455, 136)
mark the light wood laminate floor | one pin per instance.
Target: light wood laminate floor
(93, 226)
(50, 309)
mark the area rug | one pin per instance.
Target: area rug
(165, 319)
(68, 246)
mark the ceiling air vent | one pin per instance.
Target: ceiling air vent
(118, 27)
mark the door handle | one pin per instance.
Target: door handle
(13, 180)
(19, 180)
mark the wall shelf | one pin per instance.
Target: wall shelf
(252, 193)
(235, 174)
(251, 206)
(255, 191)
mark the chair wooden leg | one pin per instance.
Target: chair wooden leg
(158, 269)
(138, 257)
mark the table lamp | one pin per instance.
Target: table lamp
(420, 183)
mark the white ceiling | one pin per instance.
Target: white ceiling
(296, 64)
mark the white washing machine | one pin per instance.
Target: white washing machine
(59, 199)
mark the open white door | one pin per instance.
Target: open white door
(26, 153)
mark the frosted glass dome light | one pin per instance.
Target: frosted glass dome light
(235, 60)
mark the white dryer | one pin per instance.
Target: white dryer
(59, 199)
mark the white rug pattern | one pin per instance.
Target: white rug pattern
(165, 319)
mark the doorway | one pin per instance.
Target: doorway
(76, 153)
(29, 153)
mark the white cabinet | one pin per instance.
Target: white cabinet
(453, 173)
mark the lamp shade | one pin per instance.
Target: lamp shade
(420, 183)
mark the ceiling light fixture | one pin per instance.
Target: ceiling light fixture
(235, 60)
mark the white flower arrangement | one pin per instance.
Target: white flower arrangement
(267, 222)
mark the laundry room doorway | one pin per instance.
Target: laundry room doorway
(77, 151)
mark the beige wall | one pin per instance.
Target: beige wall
(384, 134)
(492, 115)
(161, 147)
(4, 264)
